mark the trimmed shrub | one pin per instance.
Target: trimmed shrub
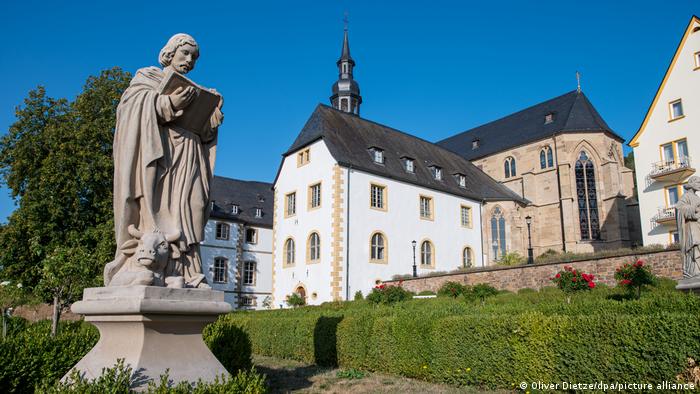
(358, 296)
(512, 338)
(228, 341)
(295, 300)
(480, 292)
(452, 289)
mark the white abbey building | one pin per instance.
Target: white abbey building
(667, 145)
(357, 202)
(237, 247)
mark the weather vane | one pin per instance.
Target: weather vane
(578, 81)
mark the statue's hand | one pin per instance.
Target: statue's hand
(181, 98)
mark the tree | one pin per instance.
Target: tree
(11, 295)
(57, 161)
(629, 163)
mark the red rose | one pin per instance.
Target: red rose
(625, 282)
(591, 285)
(557, 276)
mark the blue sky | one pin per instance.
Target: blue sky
(429, 68)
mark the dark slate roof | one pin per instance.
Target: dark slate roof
(572, 113)
(248, 195)
(350, 137)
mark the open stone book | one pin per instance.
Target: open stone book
(196, 116)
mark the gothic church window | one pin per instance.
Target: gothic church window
(498, 233)
(546, 157)
(509, 167)
(587, 198)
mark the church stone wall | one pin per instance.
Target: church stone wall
(614, 186)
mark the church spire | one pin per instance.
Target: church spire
(346, 92)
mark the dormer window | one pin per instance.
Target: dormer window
(437, 172)
(377, 155)
(258, 212)
(549, 118)
(409, 165)
(261, 198)
(461, 180)
(475, 144)
(234, 209)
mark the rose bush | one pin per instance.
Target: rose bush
(570, 281)
(633, 277)
(385, 294)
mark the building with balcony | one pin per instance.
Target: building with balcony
(667, 139)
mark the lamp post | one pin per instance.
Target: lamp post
(530, 259)
(415, 269)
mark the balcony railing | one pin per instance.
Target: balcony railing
(665, 216)
(672, 170)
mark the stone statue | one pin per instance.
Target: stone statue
(688, 220)
(162, 174)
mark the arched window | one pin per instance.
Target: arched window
(378, 247)
(222, 231)
(313, 248)
(467, 257)
(289, 251)
(427, 254)
(546, 157)
(509, 167)
(587, 198)
(498, 233)
(220, 270)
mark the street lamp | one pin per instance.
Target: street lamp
(530, 259)
(415, 269)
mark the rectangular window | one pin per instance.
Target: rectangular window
(462, 180)
(697, 60)
(675, 238)
(234, 209)
(247, 301)
(290, 205)
(377, 196)
(673, 194)
(667, 151)
(682, 152)
(222, 231)
(315, 196)
(676, 108)
(251, 235)
(409, 166)
(303, 157)
(220, 268)
(466, 216)
(249, 273)
(379, 156)
(426, 207)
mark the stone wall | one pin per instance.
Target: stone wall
(666, 264)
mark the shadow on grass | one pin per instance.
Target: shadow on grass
(284, 380)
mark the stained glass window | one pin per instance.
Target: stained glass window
(498, 233)
(509, 167)
(587, 198)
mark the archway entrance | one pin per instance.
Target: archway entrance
(302, 293)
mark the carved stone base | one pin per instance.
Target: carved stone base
(692, 284)
(152, 329)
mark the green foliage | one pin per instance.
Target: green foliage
(358, 296)
(295, 300)
(118, 379)
(426, 292)
(512, 258)
(386, 294)
(351, 373)
(452, 289)
(480, 292)
(229, 343)
(634, 277)
(508, 338)
(57, 161)
(551, 256)
(31, 355)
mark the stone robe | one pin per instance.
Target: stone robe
(162, 174)
(687, 215)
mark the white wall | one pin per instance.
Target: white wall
(401, 223)
(315, 278)
(683, 82)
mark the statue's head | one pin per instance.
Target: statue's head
(180, 53)
(693, 183)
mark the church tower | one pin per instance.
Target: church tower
(346, 92)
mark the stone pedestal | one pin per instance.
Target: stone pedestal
(691, 284)
(152, 329)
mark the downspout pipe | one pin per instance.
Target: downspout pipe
(347, 239)
(561, 204)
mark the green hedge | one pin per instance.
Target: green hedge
(511, 338)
